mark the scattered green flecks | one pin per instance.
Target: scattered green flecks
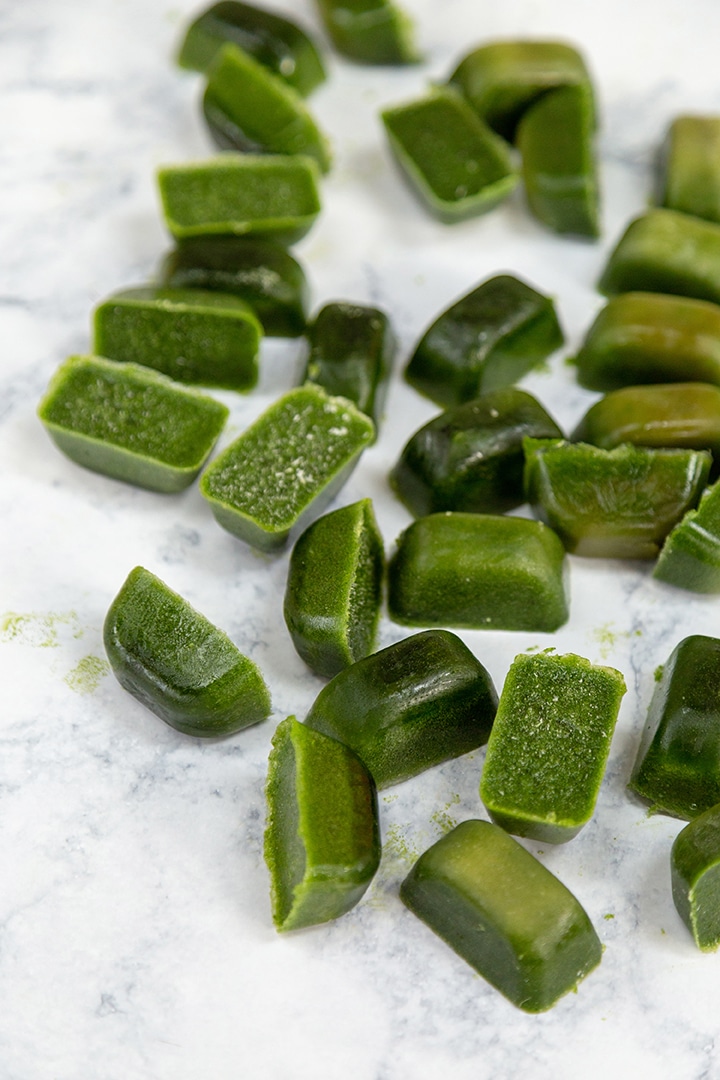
(87, 675)
(389, 798)
(397, 845)
(607, 637)
(443, 820)
(40, 631)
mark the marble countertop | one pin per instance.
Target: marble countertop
(135, 934)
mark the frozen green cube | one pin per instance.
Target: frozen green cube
(478, 572)
(248, 107)
(322, 841)
(424, 700)
(489, 338)
(695, 876)
(690, 169)
(268, 195)
(677, 770)
(130, 422)
(173, 660)
(549, 745)
(334, 588)
(504, 913)
(287, 466)
(458, 166)
(275, 41)
(690, 556)
(192, 335)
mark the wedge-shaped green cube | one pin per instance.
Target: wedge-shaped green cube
(690, 556)
(286, 467)
(131, 423)
(504, 913)
(618, 503)
(453, 160)
(502, 79)
(193, 336)
(488, 338)
(695, 876)
(645, 337)
(322, 841)
(268, 195)
(677, 769)
(274, 40)
(549, 745)
(260, 272)
(247, 107)
(478, 572)
(664, 251)
(415, 704)
(350, 354)
(334, 588)
(174, 661)
(556, 141)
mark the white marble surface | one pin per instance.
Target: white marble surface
(135, 933)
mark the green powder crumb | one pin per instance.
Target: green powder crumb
(38, 631)
(87, 675)
(444, 821)
(609, 915)
(397, 845)
(607, 638)
(659, 672)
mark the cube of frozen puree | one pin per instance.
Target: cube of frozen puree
(677, 769)
(502, 79)
(690, 169)
(685, 415)
(268, 195)
(370, 31)
(555, 140)
(488, 338)
(664, 251)
(322, 841)
(618, 503)
(645, 337)
(334, 588)
(262, 273)
(471, 457)
(274, 40)
(286, 467)
(458, 166)
(504, 913)
(695, 876)
(549, 745)
(173, 660)
(193, 336)
(351, 348)
(424, 700)
(247, 107)
(130, 422)
(478, 572)
(690, 556)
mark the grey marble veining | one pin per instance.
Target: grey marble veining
(135, 933)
